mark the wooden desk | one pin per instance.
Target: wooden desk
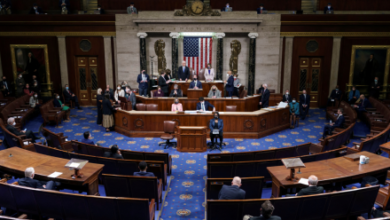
(45, 165)
(191, 139)
(205, 85)
(194, 93)
(329, 171)
(386, 148)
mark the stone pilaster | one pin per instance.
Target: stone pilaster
(219, 67)
(252, 63)
(108, 61)
(115, 59)
(142, 50)
(175, 52)
(288, 51)
(63, 60)
(334, 69)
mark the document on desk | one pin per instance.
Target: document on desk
(74, 165)
(55, 174)
(304, 181)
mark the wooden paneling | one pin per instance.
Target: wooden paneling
(252, 5)
(355, 5)
(325, 52)
(46, 5)
(143, 5)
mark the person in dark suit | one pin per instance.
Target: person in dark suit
(163, 83)
(264, 99)
(261, 9)
(287, 97)
(36, 10)
(361, 107)
(109, 91)
(5, 87)
(29, 181)
(6, 7)
(195, 84)
(375, 88)
(113, 153)
(203, 105)
(130, 97)
(328, 8)
(304, 104)
(353, 95)
(69, 95)
(266, 211)
(87, 138)
(335, 95)
(35, 85)
(226, 8)
(339, 123)
(216, 124)
(99, 10)
(229, 84)
(233, 191)
(11, 128)
(183, 72)
(143, 166)
(312, 189)
(108, 111)
(20, 83)
(143, 83)
(260, 90)
(64, 3)
(176, 92)
(99, 104)
(58, 104)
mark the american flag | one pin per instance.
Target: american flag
(197, 52)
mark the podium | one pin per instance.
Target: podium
(191, 139)
(194, 93)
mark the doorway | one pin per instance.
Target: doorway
(87, 79)
(309, 78)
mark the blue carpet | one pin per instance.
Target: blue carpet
(186, 198)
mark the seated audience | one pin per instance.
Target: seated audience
(339, 123)
(176, 92)
(233, 191)
(36, 9)
(29, 134)
(264, 98)
(5, 89)
(312, 189)
(70, 96)
(375, 88)
(99, 10)
(334, 96)
(237, 85)
(34, 102)
(328, 8)
(216, 124)
(27, 90)
(294, 112)
(114, 152)
(158, 92)
(353, 95)
(119, 92)
(143, 83)
(203, 105)
(209, 73)
(58, 104)
(29, 181)
(195, 84)
(287, 97)
(64, 6)
(261, 9)
(214, 92)
(304, 104)
(131, 9)
(87, 138)
(143, 166)
(227, 8)
(130, 97)
(176, 106)
(266, 213)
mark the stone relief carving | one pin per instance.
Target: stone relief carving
(235, 51)
(207, 11)
(159, 48)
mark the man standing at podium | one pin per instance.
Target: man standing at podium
(184, 72)
(216, 128)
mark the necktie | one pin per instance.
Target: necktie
(203, 106)
(184, 69)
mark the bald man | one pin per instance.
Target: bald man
(184, 72)
(233, 191)
(312, 189)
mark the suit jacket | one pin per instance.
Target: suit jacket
(39, 9)
(198, 84)
(259, 10)
(19, 88)
(116, 156)
(212, 124)
(155, 94)
(375, 86)
(144, 174)
(183, 75)
(231, 192)
(209, 76)
(230, 84)
(111, 92)
(264, 99)
(326, 9)
(68, 95)
(217, 93)
(143, 85)
(56, 103)
(339, 123)
(179, 93)
(260, 91)
(163, 84)
(294, 108)
(350, 95)
(335, 94)
(274, 217)
(66, 2)
(287, 99)
(131, 10)
(131, 98)
(364, 104)
(26, 181)
(13, 130)
(107, 107)
(311, 190)
(306, 101)
(87, 141)
(207, 105)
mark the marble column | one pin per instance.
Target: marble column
(288, 51)
(334, 69)
(108, 61)
(252, 63)
(280, 65)
(175, 52)
(219, 66)
(115, 60)
(63, 60)
(142, 48)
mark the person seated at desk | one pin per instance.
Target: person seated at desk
(334, 96)
(361, 107)
(158, 92)
(294, 112)
(176, 106)
(214, 92)
(87, 138)
(29, 181)
(143, 166)
(27, 90)
(195, 84)
(353, 95)
(312, 189)
(130, 97)
(233, 191)
(203, 105)
(28, 133)
(328, 8)
(339, 123)
(119, 92)
(34, 102)
(36, 10)
(287, 97)
(261, 9)
(176, 92)
(69, 96)
(266, 213)
(227, 8)
(216, 124)
(237, 85)
(113, 153)
(209, 73)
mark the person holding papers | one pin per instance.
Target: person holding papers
(195, 84)
(203, 105)
(216, 128)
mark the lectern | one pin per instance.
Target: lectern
(77, 165)
(194, 93)
(191, 139)
(292, 164)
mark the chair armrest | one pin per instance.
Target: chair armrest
(67, 146)
(351, 150)
(335, 132)
(315, 148)
(370, 135)
(363, 139)
(15, 183)
(151, 208)
(22, 136)
(355, 143)
(3, 100)
(375, 131)
(339, 129)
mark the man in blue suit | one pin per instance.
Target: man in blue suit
(87, 138)
(304, 104)
(183, 72)
(216, 123)
(64, 3)
(29, 181)
(261, 9)
(203, 105)
(334, 96)
(339, 123)
(361, 107)
(195, 84)
(143, 166)
(233, 191)
(264, 99)
(143, 85)
(229, 84)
